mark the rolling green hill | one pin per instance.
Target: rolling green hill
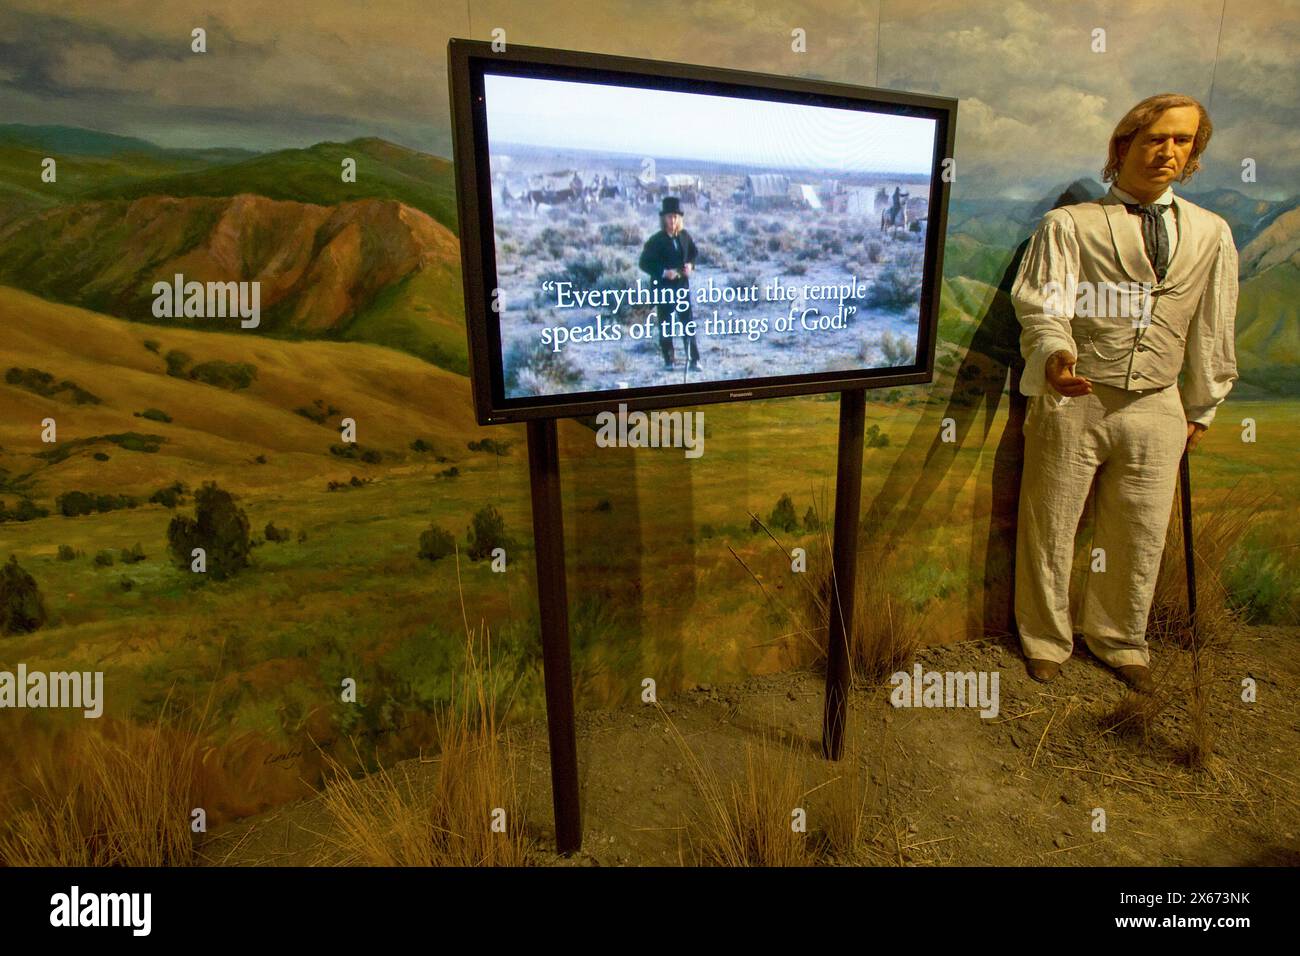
(314, 175)
(422, 314)
(78, 141)
(1268, 329)
(1268, 305)
(395, 399)
(964, 255)
(96, 165)
(89, 161)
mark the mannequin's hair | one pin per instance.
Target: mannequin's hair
(1142, 116)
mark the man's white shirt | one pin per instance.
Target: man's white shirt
(1170, 218)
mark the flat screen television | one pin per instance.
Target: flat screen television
(655, 234)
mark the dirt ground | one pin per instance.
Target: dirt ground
(941, 786)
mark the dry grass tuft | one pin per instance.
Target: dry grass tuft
(886, 630)
(1214, 534)
(469, 814)
(122, 795)
(845, 805)
(747, 822)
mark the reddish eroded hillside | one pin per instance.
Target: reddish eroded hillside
(317, 265)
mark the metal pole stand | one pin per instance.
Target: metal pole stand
(844, 561)
(553, 607)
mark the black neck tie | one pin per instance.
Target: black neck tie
(1154, 236)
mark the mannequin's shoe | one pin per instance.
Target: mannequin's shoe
(1137, 676)
(1042, 671)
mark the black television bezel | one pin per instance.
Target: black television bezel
(466, 60)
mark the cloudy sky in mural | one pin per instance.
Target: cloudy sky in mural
(1037, 103)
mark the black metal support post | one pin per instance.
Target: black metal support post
(553, 605)
(844, 559)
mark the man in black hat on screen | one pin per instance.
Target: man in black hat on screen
(669, 259)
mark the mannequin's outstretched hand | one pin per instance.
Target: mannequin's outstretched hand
(1059, 373)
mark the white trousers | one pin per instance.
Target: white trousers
(1131, 443)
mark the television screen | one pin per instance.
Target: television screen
(657, 234)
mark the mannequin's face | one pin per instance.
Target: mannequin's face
(673, 223)
(1158, 154)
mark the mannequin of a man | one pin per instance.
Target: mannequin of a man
(1105, 400)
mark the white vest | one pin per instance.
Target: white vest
(1119, 346)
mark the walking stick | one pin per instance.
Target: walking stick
(1198, 702)
(1185, 483)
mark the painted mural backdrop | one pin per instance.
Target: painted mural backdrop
(154, 163)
